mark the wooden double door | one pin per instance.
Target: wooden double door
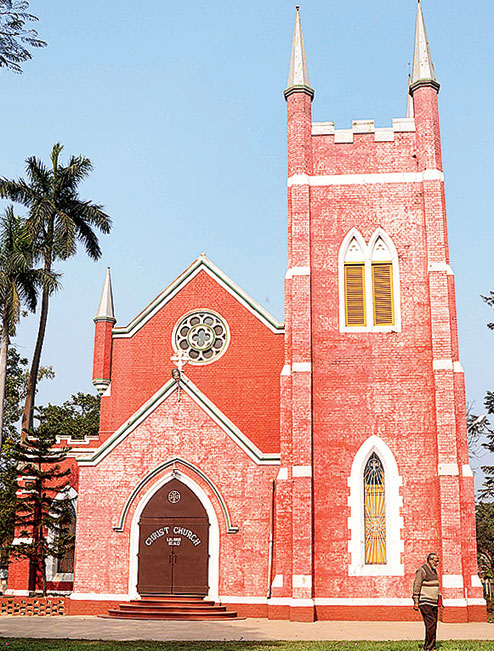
(173, 543)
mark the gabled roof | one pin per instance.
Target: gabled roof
(202, 263)
(92, 457)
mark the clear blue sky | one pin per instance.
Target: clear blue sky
(179, 105)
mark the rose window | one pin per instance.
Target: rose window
(201, 336)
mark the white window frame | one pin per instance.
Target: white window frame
(368, 259)
(393, 503)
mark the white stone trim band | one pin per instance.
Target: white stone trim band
(297, 271)
(301, 367)
(99, 596)
(302, 471)
(441, 266)
(277, 581)
(442, 364)
(282, 474)
(467, 472)
(320, 601)
(448, 469)
(302, 581)
(452, 581)
(365, 179)
(476, 582)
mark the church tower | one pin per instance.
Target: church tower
(374, 460)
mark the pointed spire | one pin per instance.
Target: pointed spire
(105, 308)
(298, 76)
(423, 68)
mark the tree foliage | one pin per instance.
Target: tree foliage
(15, 37)
(20, 283)
(75, 418)
(41, 478)
(15, 391)
(485, 538)
(58, 220)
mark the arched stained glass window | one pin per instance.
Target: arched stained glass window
(374, 512)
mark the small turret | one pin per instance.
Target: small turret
(104, 322)
(424, 89)
(299, 96)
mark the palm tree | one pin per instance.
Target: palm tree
(19, 284)
(57, 220)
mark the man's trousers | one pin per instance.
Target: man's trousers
(429, 614)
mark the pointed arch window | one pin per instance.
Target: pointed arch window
(355, 312)
(382, 285)
(374, 512)
(369, 284)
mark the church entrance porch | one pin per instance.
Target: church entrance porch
(173, 543)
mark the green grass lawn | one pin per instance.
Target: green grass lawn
(85, 645)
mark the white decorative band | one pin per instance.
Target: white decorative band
(302, 581)
(302, 471)
(476, 582)
(99, 596)
(17, 593)
(365, 179)
(301, 367)
(282, 474)
(450, 469)
(338, 601)
(286, 370)
(441, 266)
(297, 271)
(455, 602)
(467, 472)
(229, 599)
(363, 601)
(452, 581)
(442, 365)
(277, 581)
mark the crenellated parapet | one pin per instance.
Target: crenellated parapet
(381, 134)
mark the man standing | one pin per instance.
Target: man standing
(426, 598)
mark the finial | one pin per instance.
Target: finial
(105, 310)
(298, 76)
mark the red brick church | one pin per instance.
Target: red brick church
(304, 469)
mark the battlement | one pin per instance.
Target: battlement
(381, 134)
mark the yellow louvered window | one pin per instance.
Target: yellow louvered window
(355, 295)
(382, 293)
(374, 512)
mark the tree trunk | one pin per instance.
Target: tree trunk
(27, 416)
(4, 348)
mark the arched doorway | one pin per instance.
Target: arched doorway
(173, 543)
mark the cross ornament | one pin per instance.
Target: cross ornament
(180, 359)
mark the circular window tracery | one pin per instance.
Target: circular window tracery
(202, 336)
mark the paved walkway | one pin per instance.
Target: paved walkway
(94, 628)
